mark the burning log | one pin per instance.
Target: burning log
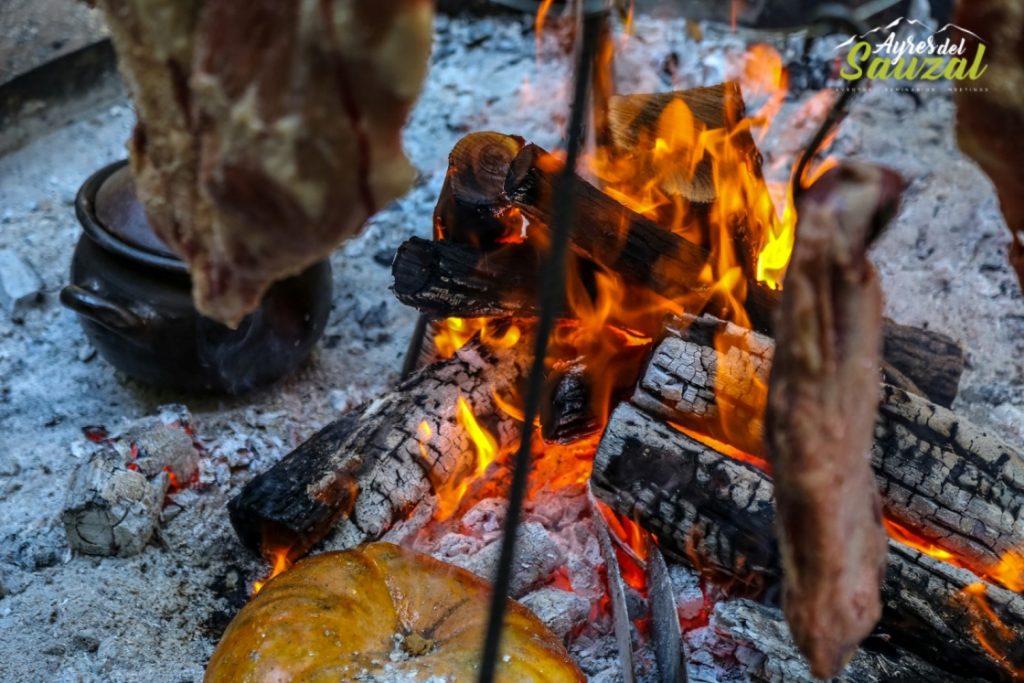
(634, 122)
(471, 208)
(717, 512)
(377, 461)
(762, 629)
(644, 254)
(940, 475)
(443, 279)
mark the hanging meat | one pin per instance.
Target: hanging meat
(268, 131)
(822, 403)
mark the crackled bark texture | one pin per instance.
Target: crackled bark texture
(717, 513)
(762, 629)
(947, 479)
(268, 132)
(372, 465)
(112, 509)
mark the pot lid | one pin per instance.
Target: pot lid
(121, 214)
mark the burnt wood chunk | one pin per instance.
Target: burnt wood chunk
(112, 508)
(372, 465)
(717, 513)
(951, 481)
(445, 279)
(472, 208)
(931, 360)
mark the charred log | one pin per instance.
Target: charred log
(644, 254)
(443, 280)
(471, 208)
(951, 481)
(717, 513)
(931, 360)
(372, 465)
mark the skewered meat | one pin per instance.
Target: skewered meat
(822, 403)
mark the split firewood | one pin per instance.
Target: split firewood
(989, 114)
(373, 464)
(951, 481)
(268, 132)
(822, 399)
(635, 121)
(717, 513)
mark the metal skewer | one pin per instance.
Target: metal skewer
(552, 294)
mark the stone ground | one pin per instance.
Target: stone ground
(156, 617)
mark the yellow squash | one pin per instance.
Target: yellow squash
(380, 609)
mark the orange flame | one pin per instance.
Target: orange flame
(989, 630)
(280, 565)
(450, 493)
(900, 533)
(1010, 571)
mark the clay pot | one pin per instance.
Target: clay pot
(133, 299)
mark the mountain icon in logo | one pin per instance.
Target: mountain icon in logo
(911, 25)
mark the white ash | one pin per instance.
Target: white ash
(156, 617)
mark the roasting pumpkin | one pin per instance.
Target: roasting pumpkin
(352, 615)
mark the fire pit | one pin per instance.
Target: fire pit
(648, 515)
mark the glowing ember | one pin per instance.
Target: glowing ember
(989, 630)
(907, 537)
(1010, 571)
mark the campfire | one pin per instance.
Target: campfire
(654, 395)
(650, 424)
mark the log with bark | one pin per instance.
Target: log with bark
(472, 208)
(717, 513)
(951, 481)
(373, 464)
(443, 279)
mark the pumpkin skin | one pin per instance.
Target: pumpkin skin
(338, 616)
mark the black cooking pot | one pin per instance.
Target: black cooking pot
(133, 298)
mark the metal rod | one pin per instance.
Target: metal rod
(415, 349)
(551, 295)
